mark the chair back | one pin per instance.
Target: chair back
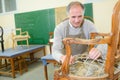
(20, 36)
(1, 38)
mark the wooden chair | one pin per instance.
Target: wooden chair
(48, 58)
(113, 41)
(22, 36)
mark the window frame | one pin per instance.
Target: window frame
(3, 8)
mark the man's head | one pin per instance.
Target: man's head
(75, 11)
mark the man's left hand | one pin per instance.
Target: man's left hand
(94, 53)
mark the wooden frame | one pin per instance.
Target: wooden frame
(113, 41)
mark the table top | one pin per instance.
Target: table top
(21, 49)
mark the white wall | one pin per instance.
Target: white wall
(40, 4)
(102, 14)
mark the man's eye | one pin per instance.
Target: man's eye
(79, 16)
(73, 16)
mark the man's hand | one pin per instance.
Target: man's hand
(71, 61)
(94, 53)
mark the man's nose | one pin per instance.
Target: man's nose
(77, 19)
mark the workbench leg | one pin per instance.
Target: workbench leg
(31, 56)
(6, 64)
(45, 72)
(0, 62)
(12, 67)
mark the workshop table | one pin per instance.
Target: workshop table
(18, 51)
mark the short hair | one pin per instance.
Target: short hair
(74, 3)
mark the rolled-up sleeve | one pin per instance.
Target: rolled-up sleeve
(57, 48)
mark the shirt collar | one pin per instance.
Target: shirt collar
(72, 26)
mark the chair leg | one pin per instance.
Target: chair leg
(45, 72)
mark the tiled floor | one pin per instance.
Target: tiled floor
(35, 72)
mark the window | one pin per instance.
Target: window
(1, 6)
(7, 6)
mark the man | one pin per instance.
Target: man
(75, 27)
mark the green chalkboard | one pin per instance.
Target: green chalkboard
(88, 10)
(37, 23)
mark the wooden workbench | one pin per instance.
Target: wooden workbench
(19, 51)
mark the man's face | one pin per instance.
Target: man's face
(76, 15)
